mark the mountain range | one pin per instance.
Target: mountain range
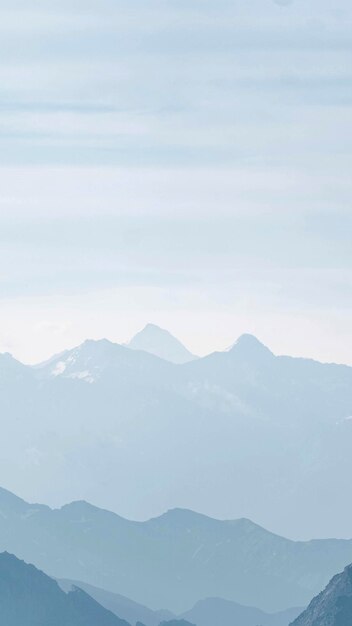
(214, 611)
(205, 612)
(28, 597)
(172, 561)
(138, 434)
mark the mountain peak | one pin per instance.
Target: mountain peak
(181, 515)
(249, 345)
(85, 362)
(154, 327)
(161, 343)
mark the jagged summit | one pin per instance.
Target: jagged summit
(161, 343)
(85, 362)
(95, 359)
(333, 606)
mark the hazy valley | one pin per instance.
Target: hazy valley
(135, 433)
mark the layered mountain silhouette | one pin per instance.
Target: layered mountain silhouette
(135, 433)
(205, 612)
(177, 622)
(172, 561)
(96, 361)
(218, 611)
(161, 343)
(30, 598)
(123, 607)
(333, 606)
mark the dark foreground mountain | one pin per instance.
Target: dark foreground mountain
(136, 434)
(172, 561)
(333, 606)
(30, 598)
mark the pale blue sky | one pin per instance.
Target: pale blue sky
(183, 163)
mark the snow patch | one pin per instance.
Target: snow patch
(59, 368)
(86, 375)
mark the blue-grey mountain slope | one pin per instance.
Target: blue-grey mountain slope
(30, 598)
(333, 606)
(172, 561)
(161, 343)
(205, 612)
(104, 361)
(123, 607)
(177, 622)
(218, 611)
(238, 433)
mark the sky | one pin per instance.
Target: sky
(185, 163)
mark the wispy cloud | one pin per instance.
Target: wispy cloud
(175, 156)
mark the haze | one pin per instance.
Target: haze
(181, 163)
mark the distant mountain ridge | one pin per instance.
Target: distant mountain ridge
(121, 606)
(105, 423)
(161, 343)
(205, 612)
(93, 361)
(172, 561)
(213, 611)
